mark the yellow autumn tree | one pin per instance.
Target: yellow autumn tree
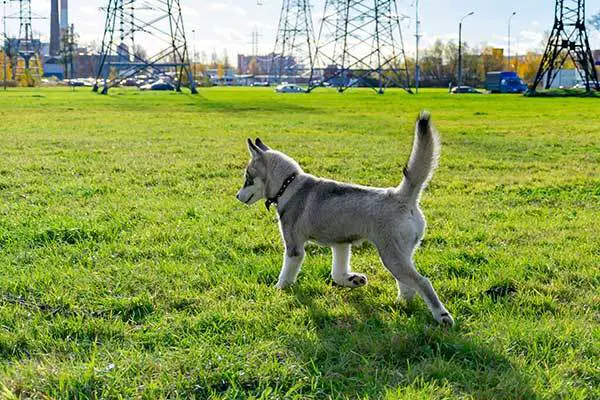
(220, 72)
(8, 67)
(491, 60)
(39, 65)
(26, 79)
(113, 74)
(253, 68)
(528, 66)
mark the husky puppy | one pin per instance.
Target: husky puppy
(338, 214)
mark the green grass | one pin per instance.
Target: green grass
(129, 270)
(564, 93)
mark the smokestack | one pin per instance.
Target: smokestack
(54, 28)
(64, 16)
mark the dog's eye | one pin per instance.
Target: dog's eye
(249, 181)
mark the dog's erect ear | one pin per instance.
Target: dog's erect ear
(261, 145)
(255, 151)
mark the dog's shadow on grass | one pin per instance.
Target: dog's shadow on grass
(368, 353)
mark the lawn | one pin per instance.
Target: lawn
(129, 270)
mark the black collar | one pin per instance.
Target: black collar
(286, 183)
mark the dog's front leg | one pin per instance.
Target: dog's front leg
(340, 269)
(292, 261)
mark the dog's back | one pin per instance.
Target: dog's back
(331, 212)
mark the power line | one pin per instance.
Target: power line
(295, 43)
(360, 44)
(568, 40)
(162, 22)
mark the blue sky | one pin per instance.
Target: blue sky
(228, 24)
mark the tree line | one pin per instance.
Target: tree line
(439, 64)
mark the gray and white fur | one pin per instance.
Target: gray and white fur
(338, 215)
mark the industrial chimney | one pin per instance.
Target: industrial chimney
(54, 29)
(64, 16)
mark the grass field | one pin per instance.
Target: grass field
(129, 270)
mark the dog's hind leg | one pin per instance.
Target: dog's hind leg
(400, 264)
(340, 270)
(405, 292)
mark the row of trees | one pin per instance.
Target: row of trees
(201, 58)
(16, 71)
(439, 64)
(16, 74)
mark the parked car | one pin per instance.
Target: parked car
(464, 89)
(158, 85)
(579, 85)
(289, 88)
(129, 82)
(74, 82)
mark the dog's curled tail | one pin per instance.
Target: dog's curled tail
(423, 158)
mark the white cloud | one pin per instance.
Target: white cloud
(226, 7)
(189, 12)
(261, 25)
(530, 40)
(87, 11)
(532, 35)
(230, 34)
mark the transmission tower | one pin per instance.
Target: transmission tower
(255, 39)
(295, 43)
(568, 39)
(24, 50)
(360, 44)
(160, 24)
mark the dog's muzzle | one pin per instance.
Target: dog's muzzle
(246, 201)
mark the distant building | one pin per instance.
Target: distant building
(596, 56)
(228, 78)
(53, 67)
(45, 49)
(123, 52)
(263, 63)
(85, 63)
(565, 78)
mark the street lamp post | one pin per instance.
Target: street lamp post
(460, 47)
(517, 51)
(509, 18)
(399, 18)
(4, 42)
(194, 54)
(417, 36)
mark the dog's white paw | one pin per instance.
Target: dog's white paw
(351, 280)
(405, 294)
(283, 285)
(404, 298)
(444, 318)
